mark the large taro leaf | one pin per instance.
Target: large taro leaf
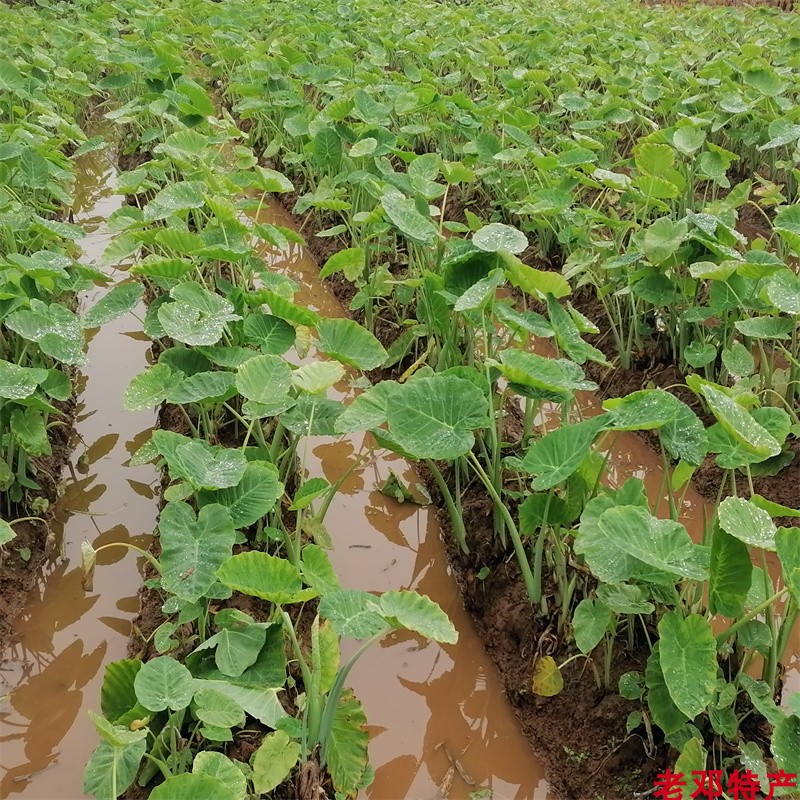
(353, 613)
(195, 316)
(731, 574)
(317, 376)
(783, 290)
(273, 761)
(263, 379)
(312, 415)
(681, 431)
(497, 236)
(786, 744)
(402, 212)
(193, 786)
(30, 432)
(688, 657)
(54, 328)
(350, 343)
(117, 695)
(202, 387)
(111, 770)
(151, 387)
(435, 417)
(366, 411)
(268, 577)
(662, 707)
(535, 282)
(346, 748)
(122, 298)
(251, 499)
(787, 542)
(733, 455)
(259, 702)
(218, 766)
(747, 522)
(557, 455)
(416, 612)
(626, 542)
(174, 198)
(17, 383)
(236, 648)
(210, 467)
(272, 335)
(193, 547)
(553, 379)
(164, 683)
(736, 421)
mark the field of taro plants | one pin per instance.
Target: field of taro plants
(555, 226)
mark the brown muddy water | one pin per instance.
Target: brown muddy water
(51, 673)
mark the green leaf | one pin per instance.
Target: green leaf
(418, 613)
(766, 327)
(258, 701)
(403, 214)
(590, 622)
(261, 575)
(150, 388)
(217, 709)
(317, 570)
(17, 383)
(117, 694)
(163, 683)
(624, 598)
(29, 430)
(738, 360)
(747, 522)
(272, 335)
(688, 656)
(569, 337)
(786, 744)
(496, 236)
(663, 238)
(193, 548)
(350, 343)
(535, 282)
(435, 417)
(201, 387)
(308, 493)
(209, 467)
(174, 198)
(353, 613)
(350, 261)
(236, 650)
(218, 766)
(122, 298)
(731, 573)
(787, 542)
(692, 760)
(665, 713)
(193, 786)
(111, 770)
(346, 747)
(273, 761)
(251, 499)
(316, 377)
(558, 454)
(554, 379)
(783, 291)
(264, 378)
(6, 533)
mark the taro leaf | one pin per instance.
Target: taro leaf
(568, 335)
(350, 261)
(786, 744)
(273, 761)
(164, 683)
(692, 761)
(195, 316)
(624, 598)
(201, 387)
(346, 748)
(783, 291)
(688, 657)
(223, 769)
(317, 376)
(258, 701)
(787, 224)
(418, 613)
(272, 335)
(366, 411)
(193, 786)
(747, 522)
(788, 545)
(54, 328)
(699, 354)
(6, 533)
(312, 415)
(261, 575)
(150, 388)
(117, 695)
(251, 499)
(217, 709)
(122, 298)
(353, 613)
(665, 713)
(554, 379)
(29, 430)
(738, 360)
(766, 327)
(111, 770)
(404, 215)
(264, 378)
(193, 548)
(663, 238)
(590, 622)
(173, 198)
(731, 573)
(328, 652)
(479, 294)
(318, 573)
(762, 698)
(534, 281)
(308, 493)
(17, 383)
(496, 236)
(739, 423)
(435, 417)
(557, 455)
(547, 678)
(236, 650)
(208, 467)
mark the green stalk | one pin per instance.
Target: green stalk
(459, 531)
(752, 614)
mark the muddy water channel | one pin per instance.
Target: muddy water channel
(50, 676)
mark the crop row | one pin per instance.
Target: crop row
(612, 163)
